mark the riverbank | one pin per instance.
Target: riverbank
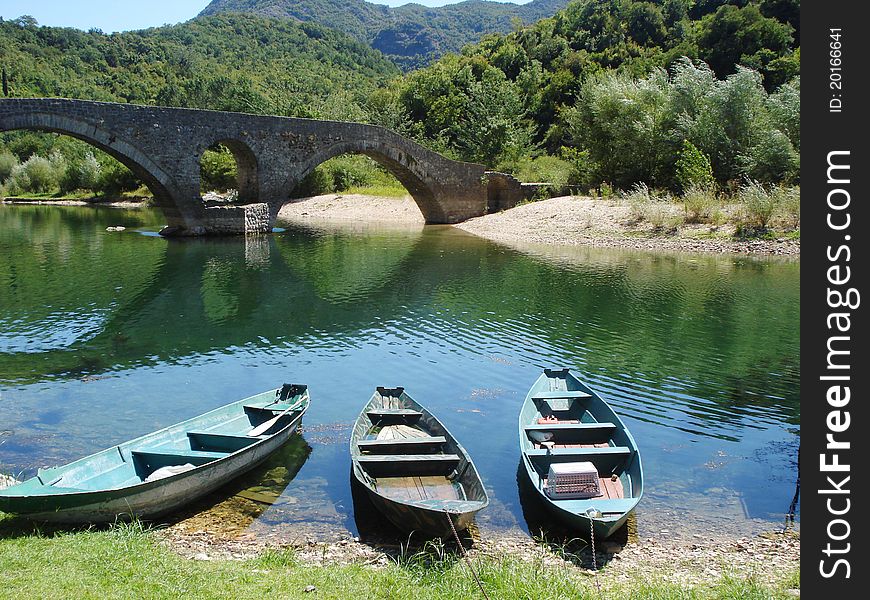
(129, 560)
(563, 221)
(131, 203)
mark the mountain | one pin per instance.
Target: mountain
(411, 35)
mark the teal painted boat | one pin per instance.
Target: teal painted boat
(415, 472)
(578, 455)
(162, 471)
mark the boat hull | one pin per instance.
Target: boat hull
(408, 518)
(149, 501)
(206, 452)
(569, 412)
(430, 514)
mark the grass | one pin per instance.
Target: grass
(386, 190)
(129, 561)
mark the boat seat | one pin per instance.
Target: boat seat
(408, 465)
(559, 395)
(153, 459)
(592, 427)
(411, 444)
(581, 452)
(220, 442)
(408, 458)
(390, 414)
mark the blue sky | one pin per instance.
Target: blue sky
(119, 15)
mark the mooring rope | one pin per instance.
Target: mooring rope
(465, 556)
(594, 556)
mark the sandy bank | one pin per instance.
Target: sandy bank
(565, 221)
(579, 221)
(352, 207)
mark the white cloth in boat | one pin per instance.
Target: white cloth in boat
(164, 472)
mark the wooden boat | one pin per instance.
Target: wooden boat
(414, 470)
(565, 429)
(157, 473)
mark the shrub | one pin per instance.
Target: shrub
(699, 204)
(35, 175)
(789, 206)
(217, 170)
(319, 181)
(693, 169)
(81, 174)
(638, 198)
(758, 204)
(8, 162)
(772, 159)
(115, 178)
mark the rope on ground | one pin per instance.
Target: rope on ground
(465, 556)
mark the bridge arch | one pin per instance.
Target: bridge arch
(158, 182)
(247, 174)
(399, 163)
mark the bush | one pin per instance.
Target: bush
(758, 204)
(318, 182)
(789, 206)
(35, 175)
(81, 174)
(693, 169)
(8, 162)
(699, 203)
(772, 159)
(217, 170)
(115, 178)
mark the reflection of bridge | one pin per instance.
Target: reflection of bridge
(163, 147)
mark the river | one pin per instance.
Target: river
(106, 335)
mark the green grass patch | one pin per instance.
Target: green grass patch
(129, 561)
(386, 190)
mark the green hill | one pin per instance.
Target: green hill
(225, 62)
(410, 35)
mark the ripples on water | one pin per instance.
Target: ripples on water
(108, 335)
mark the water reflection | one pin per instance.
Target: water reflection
(105, 336)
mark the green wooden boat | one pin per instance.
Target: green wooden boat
(157, 473)
(566, 429)
(414, 470)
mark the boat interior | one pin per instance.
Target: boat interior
(199, 441)
(560, 426)
(405, 454)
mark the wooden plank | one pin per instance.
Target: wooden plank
(411, 443)
(557, 426)
(393, 412)
(407, 458)
(560, 395)
(609, 450)
(418, 488)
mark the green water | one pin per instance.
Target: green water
(107, 335)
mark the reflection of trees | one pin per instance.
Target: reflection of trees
(720, 333)
(344, 268)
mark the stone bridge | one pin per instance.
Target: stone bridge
(164, 146)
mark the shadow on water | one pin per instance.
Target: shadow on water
(573, 546)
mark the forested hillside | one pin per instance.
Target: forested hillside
(225, 62)
(670, 93)
(411, 35)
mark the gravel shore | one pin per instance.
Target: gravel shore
(563, 221)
